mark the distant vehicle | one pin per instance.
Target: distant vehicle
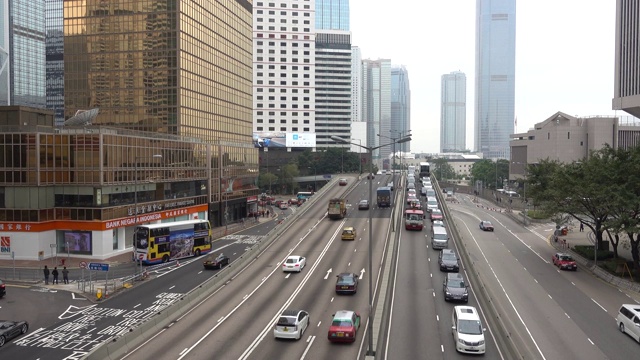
(344, 327)
(371, 176)
(215, 262)
(303, 195)
(293, 201)
(390, 185)
(383, 196)
(283, 206)
(486, 225)
(294, 263)
(424, 170)
(411, 186)
(413, 219)
(291, 324)
(564, 262)
(3, 289)
(448, 260)
(337, 209)
(411, 169)
(363, 205)
(347, 283)
(415, 204)
(348, 233)
(380, 173)
(411, 191)
(455, 288)
(436, 214)
(432, 203)
(342, 182)
(12, 329)
(411, 198)
(437, 223)
(157, 243)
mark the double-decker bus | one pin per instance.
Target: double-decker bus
(158, 243)
(413, 219)
(424, 170)
(383, 196)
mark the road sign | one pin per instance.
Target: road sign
(98, 267)
(141, 256)
(83, 264)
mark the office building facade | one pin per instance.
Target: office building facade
(495, 76)
(172, 139)
(356, 84)
(54, 49)
(400, 121)
(332, 15)
(626, 95)
(453, 112)
(376, 105)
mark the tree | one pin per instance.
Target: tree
(266, 180)
(442, 169)
(483, 171)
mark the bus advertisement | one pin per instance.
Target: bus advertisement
(413, 219)
(160, 243)
(424, 170)
(384, 196)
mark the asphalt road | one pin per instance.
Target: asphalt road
(557, 314)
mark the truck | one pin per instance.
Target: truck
(383, 196)
(337, 209)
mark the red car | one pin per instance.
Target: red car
(342, 182)
(564, 261)
(344, 326)
(436, 214)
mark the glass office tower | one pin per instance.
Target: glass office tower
(400, 107)
(453, 112)
(332, 15)
(54, 40)
(495, 76)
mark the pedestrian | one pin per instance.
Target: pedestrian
(65, 275)
(581, 227)
(55, 275)
(267, 213)
(46, 275)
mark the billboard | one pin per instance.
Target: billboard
(304, 140)
(269, 139)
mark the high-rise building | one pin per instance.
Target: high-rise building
(54, 45)
(400, 107)
(627, 77)
(376, 104)
(356, 84)
(453, 112)
(495, 76)
(25, 36)
(284, 66)
(5, 65)
(332, 72)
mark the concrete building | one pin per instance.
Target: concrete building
(356, 84)
(400, 106)
(332, 72)
(453, 112)
(626, 95)
(172, 139)
(376, 105)
(566, 138)
(495, 76)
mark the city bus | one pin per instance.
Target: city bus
(383, 196)
(158, 243)
(304, 195)
(424, 170)
(413, 219)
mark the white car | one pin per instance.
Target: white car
(437, 223)
(467, 329)
(291, 324)
(294, 263)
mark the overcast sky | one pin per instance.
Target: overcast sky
(564, 56)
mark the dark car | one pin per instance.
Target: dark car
(3, 289)
(363, 205)
(216, 262)
(371, 176)
(347, 283)
(564, 262)
(448, 261)
(11, 329)
(455, 288)
(486, 225)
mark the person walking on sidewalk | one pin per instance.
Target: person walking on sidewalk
(55, 275)
(581, 227)
(65, 275)
(46, 275)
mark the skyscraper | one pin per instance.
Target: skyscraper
(54, 40)
(5, 65)
(400, 123)
(356, 84)
(25, 37)
(332, 72)
(376, 104)
(495, 76)
(453, 112)
(627, 77)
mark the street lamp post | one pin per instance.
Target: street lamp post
(359, 153)
(315, 183)
(370, 350)
(135, 191)
(395, 140)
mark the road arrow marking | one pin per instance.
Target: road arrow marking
(328, 272)
(361, 273)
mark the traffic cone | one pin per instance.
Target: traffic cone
(177, 262)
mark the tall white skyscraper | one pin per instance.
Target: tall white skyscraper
(453, 112)
(376, 103)
(626, 93)
(400, 106)
(495, 76)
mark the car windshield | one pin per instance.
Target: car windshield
(455, 284)
(345, 280)
(286, 321)
(415, 217)
(341, 323)
(432, 203)
(291, 261)
(436, 212)
(471, 327)
(566, 258)
(448, 256)
(486, 223)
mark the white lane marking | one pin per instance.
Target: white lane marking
(590, 341)
(308, 347)
(328, 272)
(172, 287)
(137, 306)
(185, 349)
(601, 307)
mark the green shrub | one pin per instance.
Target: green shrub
(587, 252)
(538, 214)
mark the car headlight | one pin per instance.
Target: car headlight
(481, 342)
(462, 342)
(447, 293)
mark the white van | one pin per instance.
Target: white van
(432, 203)
(467, 329)
(628, 320)
(439, 238)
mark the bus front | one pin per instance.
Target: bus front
(141, 244)
(413, 219)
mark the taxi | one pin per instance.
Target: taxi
(348, 233)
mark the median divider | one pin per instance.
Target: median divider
(118, 346)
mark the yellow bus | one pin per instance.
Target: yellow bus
(158, 243)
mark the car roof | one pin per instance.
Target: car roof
(348, 274)
(455, 276)
(291, 312)
(450, 251)
(294, 257)
(466, 313)
(348, 228)
(364, 201)
(343, 314)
